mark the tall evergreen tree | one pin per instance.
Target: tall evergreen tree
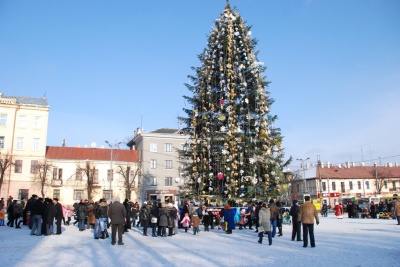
(234, 150)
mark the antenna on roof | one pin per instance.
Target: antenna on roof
(44, 96)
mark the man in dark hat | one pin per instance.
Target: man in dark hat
(296, 224)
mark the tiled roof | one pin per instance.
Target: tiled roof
(78, 153)
(358, 172)
(24, 100)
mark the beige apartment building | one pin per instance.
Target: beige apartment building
(23, 137)
(161, 169)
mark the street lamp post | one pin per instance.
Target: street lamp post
(111, 174)
(304, 174)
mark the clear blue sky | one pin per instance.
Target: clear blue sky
(108, 67)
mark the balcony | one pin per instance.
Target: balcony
(56, 183)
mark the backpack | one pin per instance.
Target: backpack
(144, 214)
(18, 209)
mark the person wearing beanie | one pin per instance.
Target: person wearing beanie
(307, 214)
(296, 224)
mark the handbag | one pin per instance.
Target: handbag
(260, 229)
(153, 219)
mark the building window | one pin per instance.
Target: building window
(55, 171)
(168, 147)
(323, 186)
(3, 119)
(60, 173)
(153, 181)
(110, 174)
(94, 174)
(22, 121)
(168, 164)
(168, 181)
(297, 187)
(153, 164)
(36, 143)
(18, 166)
(385, 184)
(34, 166)
(1, 141)
(359, 185)
(78, 194)
(78, 174)
(37, 122)
(56, 193)
(367, 184)
(107, 195)
(333, 186)
(342, 187)
(153, 147)
(20, 143)
(394, 185)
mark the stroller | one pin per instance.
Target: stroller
(286, 218)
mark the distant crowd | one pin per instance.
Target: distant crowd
(45, 216)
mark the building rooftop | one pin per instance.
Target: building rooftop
(23, 100)
(78, 153)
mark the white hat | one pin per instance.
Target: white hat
(145, 203)
(169, 205)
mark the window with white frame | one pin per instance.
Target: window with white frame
(1, 141)
(22, 121)
(36, 143)
(153, 147)
(37, 122)
(367, 184)
(351, 185)
(18, 166)
(34, 166)
(385, 184)
(153, 164)
(78, 194)
(342, 187)
(168, 164)
(359, 185)
(333, 186)
(153, 181)
(168, 181)
(3, 119)
(168, 147)
(323, 186)
(56, 193)
(20, 143)
(394, 185)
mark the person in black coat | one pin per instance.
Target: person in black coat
(154, 218)
(128, 207)
(58, 215)
(37, 213)
(296, 224)
(81, 214)
(48, 218)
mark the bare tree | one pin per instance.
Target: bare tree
(42, 177)
(5, 164)
(91, 173)
(381, 179)
(129, 178)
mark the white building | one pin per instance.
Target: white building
(160, 164)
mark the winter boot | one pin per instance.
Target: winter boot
(103, 235)
(280, 231)
(106, 232)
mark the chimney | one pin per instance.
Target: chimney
(390, 164)
(353, 164)
(362, 164)
(339, 165)
(328, 164)
(347, 164)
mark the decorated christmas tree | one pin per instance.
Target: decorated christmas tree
(234, 151)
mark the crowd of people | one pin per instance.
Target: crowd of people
(45, 216)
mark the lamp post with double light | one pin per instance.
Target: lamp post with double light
(111, 171)
(304, 174)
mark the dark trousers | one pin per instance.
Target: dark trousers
(145, 225)
(114, 229)
(58, 224)
(154, 229)
(261, 235)
(308, 229)
(296, 230)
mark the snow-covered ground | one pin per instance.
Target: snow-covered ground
(346, 242)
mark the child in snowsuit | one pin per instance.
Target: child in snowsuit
(186, 222)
